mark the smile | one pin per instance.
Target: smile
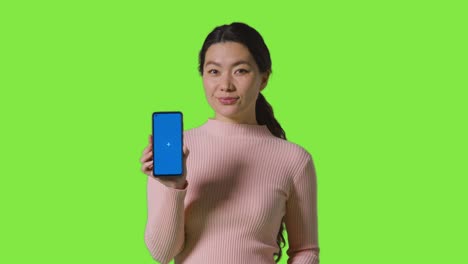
(227, 101)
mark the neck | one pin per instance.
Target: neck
(247, 121)
(229, 129)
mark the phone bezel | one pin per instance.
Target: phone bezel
(181, 138)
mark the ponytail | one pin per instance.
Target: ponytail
(264, 115)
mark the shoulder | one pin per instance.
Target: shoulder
(301, 166)
(296, 152)
(292, 156)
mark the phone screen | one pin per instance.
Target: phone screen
(167, 144)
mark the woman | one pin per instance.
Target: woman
(242, 179)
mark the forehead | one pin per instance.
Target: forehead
(227, 52)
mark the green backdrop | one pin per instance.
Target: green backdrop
(374, 90)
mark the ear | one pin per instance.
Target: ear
(265, 78)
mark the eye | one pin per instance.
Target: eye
(242, 71)
(212, 71)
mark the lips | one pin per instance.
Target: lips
(228, 100)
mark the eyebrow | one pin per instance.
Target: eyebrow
(234, 64)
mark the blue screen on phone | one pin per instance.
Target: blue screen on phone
(167, 144)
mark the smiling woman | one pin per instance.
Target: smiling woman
(243, 181)
(232, 82)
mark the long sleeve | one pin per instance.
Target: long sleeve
(164, 232)
(301, 216)
(242, 181)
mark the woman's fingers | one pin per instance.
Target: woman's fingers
(149, 147)
(148, 164)
(147, 167)
(146, 156)
(147, 150)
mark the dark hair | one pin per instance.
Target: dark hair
(249, 37)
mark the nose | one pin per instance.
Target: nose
(226, 83)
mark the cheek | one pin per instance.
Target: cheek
(208, 87)
(253, 86)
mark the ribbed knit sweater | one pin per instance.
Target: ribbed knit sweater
(242, 181)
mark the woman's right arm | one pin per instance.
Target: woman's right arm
(164, 231)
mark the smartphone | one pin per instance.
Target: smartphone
(167, 144)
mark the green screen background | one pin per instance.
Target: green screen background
(374, 90)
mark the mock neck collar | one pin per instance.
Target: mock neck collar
(222, 128)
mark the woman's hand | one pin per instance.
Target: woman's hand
(178, 182)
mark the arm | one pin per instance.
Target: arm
(164, 232)
(301, 216)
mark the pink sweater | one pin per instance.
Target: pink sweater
(242, 181)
